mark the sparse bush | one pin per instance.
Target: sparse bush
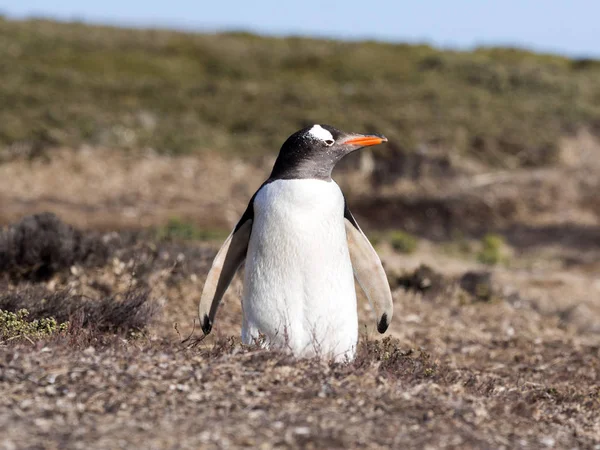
(478, 284)
(423, 279)
(40, 245)
(14, 325)
(394, 360)
(492, 250)
(403, 242)
(131, 311)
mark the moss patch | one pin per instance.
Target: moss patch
(18, 325)
(493, 250)
(403, 242)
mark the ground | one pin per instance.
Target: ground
(477, 356)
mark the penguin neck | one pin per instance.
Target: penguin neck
(320, 169)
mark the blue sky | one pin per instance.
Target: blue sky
(557, 26)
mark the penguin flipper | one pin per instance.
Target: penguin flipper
(230, 257)
(369, 272)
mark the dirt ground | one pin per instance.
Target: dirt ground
(515, 367)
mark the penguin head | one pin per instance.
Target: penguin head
(313, 152)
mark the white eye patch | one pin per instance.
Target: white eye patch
(320, 133)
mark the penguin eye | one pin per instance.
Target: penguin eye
(329, 142)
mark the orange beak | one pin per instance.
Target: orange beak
(365, 141)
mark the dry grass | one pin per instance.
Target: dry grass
(95, 189)
(211, 192)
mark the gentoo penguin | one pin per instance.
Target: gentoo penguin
(302, 249)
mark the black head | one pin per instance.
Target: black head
(314, 151)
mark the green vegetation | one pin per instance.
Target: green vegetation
(16, 325)
(180, 230)
(458, 246)
(73, 84)
(492, 250)
(403, 242)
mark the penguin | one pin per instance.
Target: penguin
(302, 249)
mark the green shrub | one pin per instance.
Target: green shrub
(403, 242)
(16, 325)
(492, 250)
(181, 230)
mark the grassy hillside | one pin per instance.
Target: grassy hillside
(73, 84)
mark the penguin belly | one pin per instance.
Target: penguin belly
(299, 289)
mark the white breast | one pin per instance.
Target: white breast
(299, 287)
